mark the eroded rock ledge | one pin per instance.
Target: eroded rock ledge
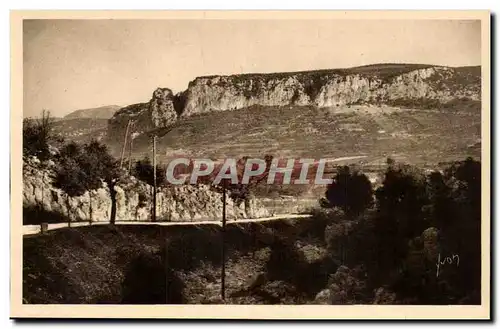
(134, 200)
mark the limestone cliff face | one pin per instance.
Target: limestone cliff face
(133, 200)
(392, 84)
(222, 93)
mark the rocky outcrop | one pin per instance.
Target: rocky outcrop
(159, 112)
(162, 108)
(134, 200)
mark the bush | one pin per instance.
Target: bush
(320, 219)
(350, 190)
(289, 264)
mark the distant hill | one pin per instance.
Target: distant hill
(81, 129)
(103, 112)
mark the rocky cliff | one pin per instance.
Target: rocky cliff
(328, 88)
(392, 84)
(177, 203)
(161, 111)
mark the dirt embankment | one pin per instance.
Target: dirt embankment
(274, 262)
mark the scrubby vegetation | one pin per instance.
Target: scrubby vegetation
(415, 239)
(417, 222)
(81, 130)
(417, 242)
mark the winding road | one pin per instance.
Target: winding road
(35, 229)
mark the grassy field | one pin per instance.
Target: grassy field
(418, 136)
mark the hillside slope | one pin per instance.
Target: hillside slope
(420, 113)
(81, 129)
(417, 136)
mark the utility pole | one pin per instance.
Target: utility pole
(223, 251)
(154, 178)
(167, 272)
(130, 156)
(124, 144)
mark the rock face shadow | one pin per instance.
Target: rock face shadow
(35, 215)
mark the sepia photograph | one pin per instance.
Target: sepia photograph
(182, 164)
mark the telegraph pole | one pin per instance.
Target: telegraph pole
(130, 156)
(154, 178)
(124, 144)
(223, 251)
(167, 272)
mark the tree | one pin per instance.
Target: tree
(442, 209)
(100, 166)
(400, 216)
(467, 178)
(105, 168)
(70, 177)
(350, 190)
(85, 168)
(455, 220)
(143, 170)
(463, 236)
(402, 197)
(36, 136)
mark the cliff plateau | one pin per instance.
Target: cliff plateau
(389, 84)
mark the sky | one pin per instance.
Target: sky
(77, 64)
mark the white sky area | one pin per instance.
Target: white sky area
(77, 64)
